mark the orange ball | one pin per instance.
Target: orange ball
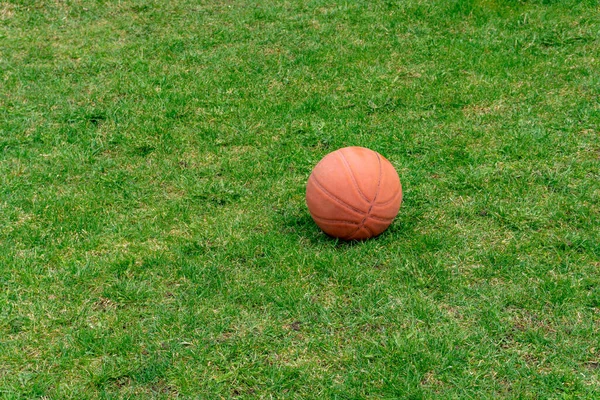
(353, 193)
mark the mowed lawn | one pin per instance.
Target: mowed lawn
(154, 238)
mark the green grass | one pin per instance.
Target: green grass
(154, 240)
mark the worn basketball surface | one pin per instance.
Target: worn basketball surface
(353, 193)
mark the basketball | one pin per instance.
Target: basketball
(353, 193)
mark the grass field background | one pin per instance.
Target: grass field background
(154, 240)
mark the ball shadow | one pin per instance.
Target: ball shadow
(296, 222)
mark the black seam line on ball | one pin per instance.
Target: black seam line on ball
(332, 221)
(336, 199)
(385, 203)
(362, 223)
(347, 165)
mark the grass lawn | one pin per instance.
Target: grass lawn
(154, 239)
